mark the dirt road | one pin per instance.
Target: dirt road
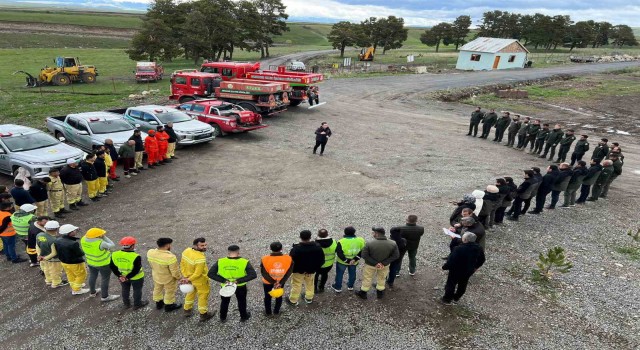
(392, 153)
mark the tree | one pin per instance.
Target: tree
(344, 34)
(622, 35)
(603, 30)
(247, 33)
(441, 32)
(582, 34)
(558, 31)
(553, 261)
(460, 30)
(153, 41)
(272, 22)
(210, 29)
(392, 33)
(370, 33)
(498, 24)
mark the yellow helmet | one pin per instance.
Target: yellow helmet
(95, 232)
(276, 293)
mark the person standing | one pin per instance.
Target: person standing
(151, 147)
(474, 122)
(127, 265)
(579, 173)
(97, 249)
(36, 227)
(513, 130)
(582, 146)
(72, 258)
(488, 122)
(55, 194)
(605, 174)
(275, 269)
(308, 258)
(38, 191)
(412, 232)
(394, 267)
(565, 145)
(20, 195)
(347, 258)
(328, 246)
(501, 125)
(139, 148)
(541, 136)
(589, 180)
(599, 153)
(617, 171)
(90, 176)
(8, 233)
(71, 177)
(113, 153)
(322, 136)
(193, 266)
(102, 171)
(532, 132)
(21, 220)
(127, 155)
(171, 142)
(552, 141)
(522, 132)
(548, 180)
(523, 193)
(377, 254)
(165, 272)
(462, 263)
(163, 145)
(48, 256)
(561, 184)
(511, 190)
(236, 270)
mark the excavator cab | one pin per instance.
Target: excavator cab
(366, 54)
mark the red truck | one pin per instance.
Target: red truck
(224, 117)
(304, 85)
(148, 71)
(266, 98)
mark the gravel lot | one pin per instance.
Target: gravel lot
(389, 156)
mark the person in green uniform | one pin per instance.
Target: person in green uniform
(488, 122)
(126, 264)
(540, 137)
(530, 138)
(582, 146)
(501, 126)
(565, 145)
(552, 141)
(513, 130)
(476, 118)
(605, 174)
(522, 132)
(237, 270)
(617, 171)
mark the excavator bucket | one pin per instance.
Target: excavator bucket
(31, 80)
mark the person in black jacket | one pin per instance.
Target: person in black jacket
(71, 177)
(508, 189)
(173, 138)
(90, 176)
(113, 153)
(589, 180)
(462, 263)
(40, 194)
(394, 268)
(137, 137)
(102, 171)
(308, 258)
(537, 181)
(72, 258)
(328, 246)
(20, 195)
(524, 190)
(412, 232)
(468, 201)
(469, 224)
(548, 180)
(322, 136)
(564, 177)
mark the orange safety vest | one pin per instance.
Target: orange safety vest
(276, 266)
(9, 231)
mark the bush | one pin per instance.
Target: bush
(553, 262)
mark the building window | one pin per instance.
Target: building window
(512, 58)
(475, 57)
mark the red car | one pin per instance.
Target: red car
(223, 116)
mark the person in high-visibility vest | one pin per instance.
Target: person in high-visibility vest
(328, 246)
(237, 270)
(21, 220)
(275, 269)
(165, 271)
(72, 258)
(127, 265)
(48, 256)
(347, 258)
(97, 249)
(193, 266)
(8, 233)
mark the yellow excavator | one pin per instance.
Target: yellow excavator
(366, 54)
(66, 71)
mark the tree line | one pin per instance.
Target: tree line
(388, 33)
(211, 29)
(537, 30)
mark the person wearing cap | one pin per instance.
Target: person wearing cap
(38, 191)
(193, 266)
(523, 192)
(171, 142)
(328, 246)
(165, 272)
(139, 149)
(36, 227)
(48, 255)
(565, 145)
(151, 147)
(8, 233)
(102, 170)
(55, 193)
(127, 157)
(21, 219)
(603, 178)
(377, 254)
(71, 177)
(488, 122)
(589, 180)
(90, 175)
(308, 258)
(552, 141)
(275, 269)
(113, 155)
(237, 270)
(541, 136)
(599, 153)
(582, 146)
(489, 204)
(413, 232)
(97, 249)
(163, 144)
(347, 257)
(127, 265)
(20, 195)
(617, 171)
(72, 258)
(462, 263)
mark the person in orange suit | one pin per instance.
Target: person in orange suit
(151, 147)
(163, 145)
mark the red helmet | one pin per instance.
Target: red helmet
(128, 241)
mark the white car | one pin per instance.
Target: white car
(296, 66)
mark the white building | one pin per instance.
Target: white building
(492, 53)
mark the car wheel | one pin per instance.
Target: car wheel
(217, 131)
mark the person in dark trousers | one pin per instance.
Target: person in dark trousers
(490, 119)
(139, 148)
(412, 232)
(237, 270)
(468, 201)
(561, 184)
(462, 263)
(548, 180)
(582, 146)
(579, 173)
(617, 171)
(322, 136)
(126, 264)
(537, 181)
(275, 269)
(522, 132)
(601, 151)
(523, 192)
(589, 180)
(474, 122)
(532, 132)
(348, 254)
(328, 246)
(565, 145)
(394, 268)
(308, 258)
(469, 224)
(501, 125)
(605, 174)
(20, 195)
(552, 141)
(511, 190)
(127, 155)
(513, 130)
(541, 136)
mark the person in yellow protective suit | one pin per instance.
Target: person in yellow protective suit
(166, 274)
(48, 256)
(72, 258)
(194, 269)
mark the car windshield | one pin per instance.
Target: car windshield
(146, 69)
(29, 142)
(109, 126)
(225, 107)
(176, 117)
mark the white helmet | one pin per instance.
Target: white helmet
(186, 288)
(28, 207)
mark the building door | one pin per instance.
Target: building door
(496, 61)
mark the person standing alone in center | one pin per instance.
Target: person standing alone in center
(322, 136)
(308, 258)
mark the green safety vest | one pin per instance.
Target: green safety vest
(232, 269)
(95, 256)
(21, 223)
(351, 246)
(124, 261)
(330, 254)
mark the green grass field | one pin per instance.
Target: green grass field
(24, 40)
(106, 19)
